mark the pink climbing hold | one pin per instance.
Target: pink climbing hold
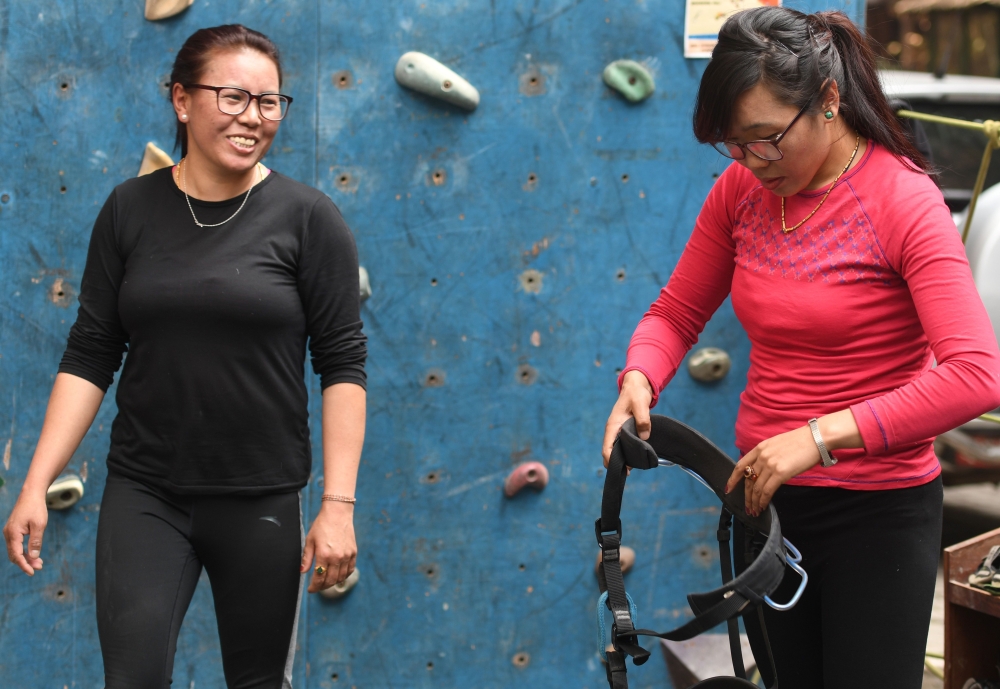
(532, 474)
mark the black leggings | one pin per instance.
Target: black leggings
(151, 546)
(872, 559)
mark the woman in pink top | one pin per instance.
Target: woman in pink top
(850, 278)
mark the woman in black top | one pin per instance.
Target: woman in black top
(212, 275)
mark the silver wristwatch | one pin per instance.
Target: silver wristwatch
(828, 460)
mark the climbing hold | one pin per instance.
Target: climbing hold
(341, 590)
(629, 78)
(532, 474)
(426, 75)
(366, 286)
(65, 492)
(709, 364)
(626, 554)
(161, 9)
(153, 158)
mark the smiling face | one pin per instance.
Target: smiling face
(230, 145)
(805, 148)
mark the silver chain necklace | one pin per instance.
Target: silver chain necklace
(183, 170)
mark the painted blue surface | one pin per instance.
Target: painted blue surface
(456, 580)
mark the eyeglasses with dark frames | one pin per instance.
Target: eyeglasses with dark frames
(765, 149)
(234, 101)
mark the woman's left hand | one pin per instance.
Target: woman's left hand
(774, 461)
(331, 541)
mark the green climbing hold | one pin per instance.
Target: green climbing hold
(629, 78)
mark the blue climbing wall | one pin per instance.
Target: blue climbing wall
(511, 252)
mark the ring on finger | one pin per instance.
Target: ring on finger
(750, 474)
(320, 570)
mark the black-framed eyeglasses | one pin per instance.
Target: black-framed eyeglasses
(235, 101)
(765, 149)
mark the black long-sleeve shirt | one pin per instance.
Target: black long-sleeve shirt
(212, 397)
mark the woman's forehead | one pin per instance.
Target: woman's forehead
(246, 68)
(758, 108)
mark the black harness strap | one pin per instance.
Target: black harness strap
(726, 561)
(676, 443)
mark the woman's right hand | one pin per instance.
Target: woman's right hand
(634, 400)
(28, 518)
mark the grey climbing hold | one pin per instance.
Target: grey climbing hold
(366, 285)
(709, 364)
(64, 492)
(161, 9)
(631, 79)
(340, 590)
(426, 75)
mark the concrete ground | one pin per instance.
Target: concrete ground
(935, 637)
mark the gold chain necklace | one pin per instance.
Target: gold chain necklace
(786, 230)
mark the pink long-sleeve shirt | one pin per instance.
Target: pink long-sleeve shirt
(848, 311)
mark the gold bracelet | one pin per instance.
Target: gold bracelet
(338, 498)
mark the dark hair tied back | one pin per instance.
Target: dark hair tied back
(198, 49)
(793, 54)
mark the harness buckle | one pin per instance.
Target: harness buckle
(601, 533)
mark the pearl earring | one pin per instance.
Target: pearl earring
(184, 117)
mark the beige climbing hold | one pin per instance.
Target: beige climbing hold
(626, 554)
(161, 9)
(340, 590)
(153, 159)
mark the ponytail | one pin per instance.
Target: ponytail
(863, 103)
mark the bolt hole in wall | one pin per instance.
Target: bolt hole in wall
(335, 677)
(620, 275)
(430, 665)
(434, 378)
(526, 375)
(62, 190)
(438, 177)
(522, 567)
(5, 198)
(521, 660)
(625, 178)
(343, 79)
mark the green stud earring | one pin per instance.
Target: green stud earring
(829, 114)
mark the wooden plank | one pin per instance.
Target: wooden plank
(971, 617)
(973, 598)
(963, 558)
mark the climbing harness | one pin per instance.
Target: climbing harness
(766, 554)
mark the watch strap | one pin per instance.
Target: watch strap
(824, 453)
